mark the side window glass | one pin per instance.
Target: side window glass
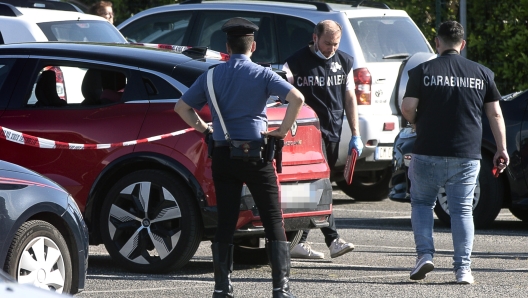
(297, 33)
(5, 67)
(157, 88)
(163, 28)
(58, 86)
(208, 33)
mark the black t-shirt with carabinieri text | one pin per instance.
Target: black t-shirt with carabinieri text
(324, 83)
(451, 92)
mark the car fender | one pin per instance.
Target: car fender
(11, 226)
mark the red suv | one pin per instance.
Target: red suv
(147, 196)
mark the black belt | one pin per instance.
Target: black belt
(221, 144)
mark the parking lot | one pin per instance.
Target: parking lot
(378, 267)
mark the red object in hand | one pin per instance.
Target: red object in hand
(495, 172)
(349, 167)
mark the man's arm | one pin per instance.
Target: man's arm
(494, 114)
(352, 112)
(408, 108)
(295, 100)
(190, 117)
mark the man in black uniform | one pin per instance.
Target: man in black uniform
(445, 98)
(242, 88)
(325, 77)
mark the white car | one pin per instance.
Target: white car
(20, 24)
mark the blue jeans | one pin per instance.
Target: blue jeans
(459, 177)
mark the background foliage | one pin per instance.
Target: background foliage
(497, 34)
(497, 31)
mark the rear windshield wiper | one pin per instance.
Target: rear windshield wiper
(397, 56)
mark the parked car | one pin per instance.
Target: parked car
(45, 4)
(509, 190)
(9, 288)
(381, 40)
(150, 202)
(20, 24)
(43, 237)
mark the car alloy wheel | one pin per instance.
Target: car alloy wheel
(150, 223)
(39, 256)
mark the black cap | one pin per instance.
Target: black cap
(239, 27)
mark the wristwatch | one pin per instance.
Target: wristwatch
(208, 130)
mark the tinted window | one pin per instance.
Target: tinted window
(94, 31)
(157, 88)
(382, 37)
(294, 34)
(59, 85)
(208, 33)
(164, 28)
(5, 67)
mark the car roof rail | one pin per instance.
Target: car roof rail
(321, 6)
(8, 10)
(369, 3)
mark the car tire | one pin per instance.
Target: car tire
(39, 255)
(488, 199)
(150, 223)
(364, 189)
(247, 251)
(520, 214)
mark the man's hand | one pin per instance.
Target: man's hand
(275, 133)
(357, 143)
(501, 160)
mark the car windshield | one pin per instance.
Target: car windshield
(93, 31)
(388, 38)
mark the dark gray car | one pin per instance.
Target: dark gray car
(43, 237)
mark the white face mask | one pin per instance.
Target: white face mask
(319, 54)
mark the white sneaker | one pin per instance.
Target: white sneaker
(464, 276)
(424, 265)
(340, 247)
(304, 251)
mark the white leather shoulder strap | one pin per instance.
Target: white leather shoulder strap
(210, 88)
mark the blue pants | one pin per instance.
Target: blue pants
(458, 176)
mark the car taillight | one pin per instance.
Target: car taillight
(363, 82)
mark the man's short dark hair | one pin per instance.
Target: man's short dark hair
(240, 44)
(451, 33)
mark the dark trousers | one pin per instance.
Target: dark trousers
(330, 150)
(229, 175)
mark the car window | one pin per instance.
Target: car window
(5, 68)
(59, 85)
(157, 88)
(164, 28)
(93, 31)
(208, 33)
(382, 37)
(294, 34)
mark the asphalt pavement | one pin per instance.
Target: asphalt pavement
(378, 267)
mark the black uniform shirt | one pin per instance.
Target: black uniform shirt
(452, 91)
(323, 84)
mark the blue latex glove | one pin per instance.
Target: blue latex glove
(357, 143)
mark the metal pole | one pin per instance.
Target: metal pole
(463, 22)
